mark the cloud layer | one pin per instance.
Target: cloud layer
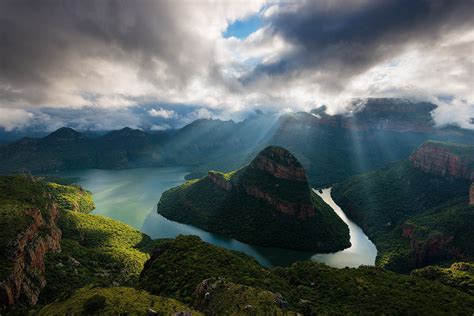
(116, 56)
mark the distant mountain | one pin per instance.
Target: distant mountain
(268, 202)
(127, 148)
(417, 212)
(330, 147)
(335, 147)
(62, 149)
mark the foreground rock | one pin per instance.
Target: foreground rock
(223, 282)
(29, 231)
(116, 301)
(268, 202)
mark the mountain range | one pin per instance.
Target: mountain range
(330, 147)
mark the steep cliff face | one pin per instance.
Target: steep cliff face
(299, 210)
(447, 160)
(26, 278)
(471, 194)
(219, 180)
(427, 249)
(280, 167)
(280, 163)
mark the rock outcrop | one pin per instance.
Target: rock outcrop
(428, 248)
(219, 180)
(26, 278)
(445, 160)
(471, 194)
(280, 163)
(299, 210)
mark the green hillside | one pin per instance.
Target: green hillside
(400, 200)
(114, 301)
(95, 250)
(459, 275)
(180, 265)
(254, 217)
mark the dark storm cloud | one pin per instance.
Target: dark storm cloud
(42, 42)
(338, 38)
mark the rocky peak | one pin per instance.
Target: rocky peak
(445, 159)
(280, 163)
(64, 134)
(270, 177)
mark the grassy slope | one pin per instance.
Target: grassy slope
(187, 260)
(459, 275)
(227, 298)
(248, 219)
(383, 201)
(71, 197)
(19, 193)
(118, 301)
(107, 251)
(309, 287)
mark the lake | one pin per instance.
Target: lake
(131, 196)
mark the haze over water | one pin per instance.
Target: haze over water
(131, 196)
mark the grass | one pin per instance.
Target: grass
(114, 301)
(459, 275)
(228, 298)
(185, 261)
(72, 197)
(309, 288)
(108, 252)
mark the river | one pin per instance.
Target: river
(131, 195)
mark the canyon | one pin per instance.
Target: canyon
(26, 279)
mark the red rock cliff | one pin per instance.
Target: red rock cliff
(426, 248)
(471, 194)
(280, 163)
(441, 160)
(27, 274)
(219, 180)
(299, 210)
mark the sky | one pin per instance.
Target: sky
(103, 65)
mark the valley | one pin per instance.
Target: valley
(130, 196)
(236, 158)
(315, 209)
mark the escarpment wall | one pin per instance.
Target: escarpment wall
(280, 163)
(439, 160)
(26, 279)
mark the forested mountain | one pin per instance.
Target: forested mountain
(330, 147)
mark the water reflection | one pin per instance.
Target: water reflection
(362, 250)
(131, 195)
